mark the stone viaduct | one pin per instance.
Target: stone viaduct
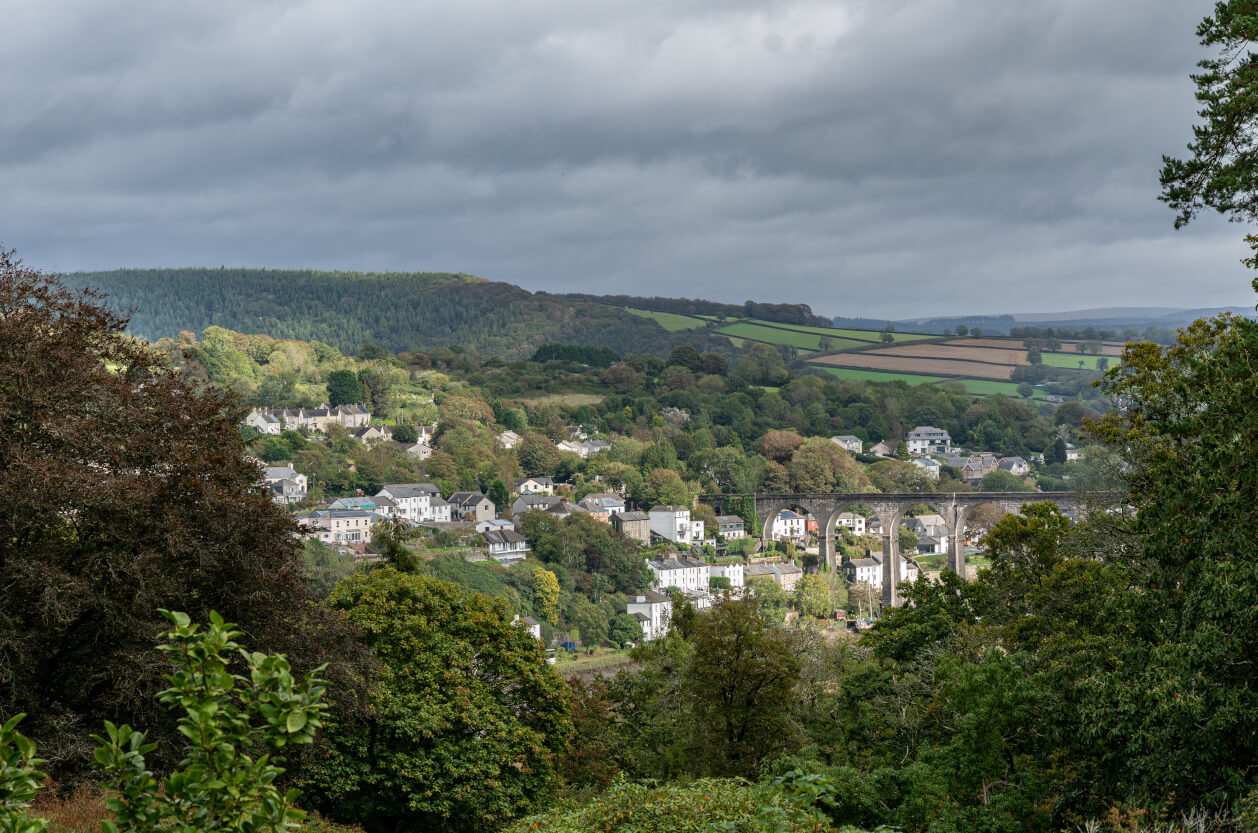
(890, 509)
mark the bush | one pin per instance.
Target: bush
(704, 806)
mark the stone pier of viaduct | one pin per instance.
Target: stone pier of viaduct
(890, 509)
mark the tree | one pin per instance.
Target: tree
(740, 686)
(591, 621)
(624, 628)
(1003, 481)
(405, 432)
(344, 388)
(1025, 390)
(499, 495)
(1220, 173)
(126, 490)
(546, 595)
(223, 783)
(466, 717)
(887, 338)
(962, 330)
(812, 597)
(771, 600)
(538, 455)
(1192, 411)
(1056, 452)
(976, 332)
(687, 357)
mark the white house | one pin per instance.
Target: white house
(416, 502)
(927, 439)
(848, 443)
(1015, 465)
(868, 570)
(529, 624)
(419, 450)
(534, 486)
(285, 484)
(689, 575)
(788, 526)
(731, 527)
(339, 526)
(852, 521)
(263, 422)
(508, 439)
(653, 611)
(734, 572)
(493, 525)
(672, 523)
(506, 546)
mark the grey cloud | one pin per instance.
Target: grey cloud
(878, 157)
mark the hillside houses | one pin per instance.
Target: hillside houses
(848, 443)
(635, 525)
(925, 440)
(786, 575)
(602, 505)
(673, 523)
(285, 484)
(339, 526)
(788, 526)
(317, 420)
(416, 502)
(653, 612)
(534, 486)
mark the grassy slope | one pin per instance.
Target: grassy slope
(790, 338)
(668, 320)
(881, 376)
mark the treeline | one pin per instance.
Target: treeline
(778, 313)
(398, 311)
(1158, 335)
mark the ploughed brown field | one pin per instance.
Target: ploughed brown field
(1108, 348)
(906, 364)
(1009, 355)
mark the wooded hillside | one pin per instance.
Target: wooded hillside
(396, 310)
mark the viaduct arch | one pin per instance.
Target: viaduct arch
(890, 509)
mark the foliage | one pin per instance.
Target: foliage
(238, 729)
(703, 806)
(467, 716)
(740, 683)
(546, 595)
(771, 599)
(397, 311)
(593, 356)
(344, 388)
(1220, 173)
(812, 596)
(624, 628)
(20, 780)
(324, 567)
(127, 490)
(1003, 481)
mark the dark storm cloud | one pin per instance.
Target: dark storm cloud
(877, 157)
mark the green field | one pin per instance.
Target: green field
(977, 387)
(862, 375)
(791, 338)
(668, 320)
(1071, 360)
(860, 335)
(986, 387)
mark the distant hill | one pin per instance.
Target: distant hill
(397, 311)
(1114, 319)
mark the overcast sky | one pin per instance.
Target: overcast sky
(869, 157)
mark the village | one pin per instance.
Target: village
(688, 550)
